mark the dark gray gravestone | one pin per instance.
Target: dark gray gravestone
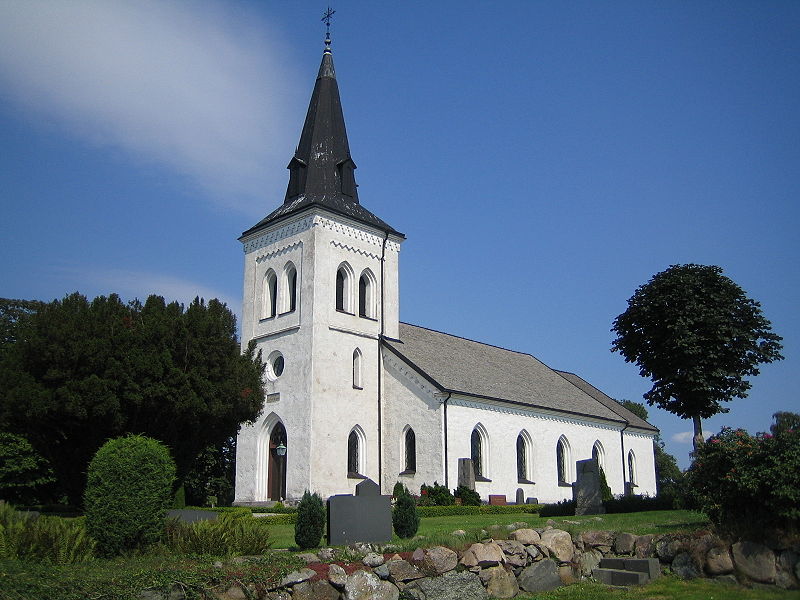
(520, 496)
(586, 489)
(365, 517)
(466, 473)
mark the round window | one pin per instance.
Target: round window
(275, 365)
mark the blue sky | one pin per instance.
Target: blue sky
(543, 158)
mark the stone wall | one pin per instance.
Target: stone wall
(529, 561)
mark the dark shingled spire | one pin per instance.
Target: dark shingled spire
(322, 172)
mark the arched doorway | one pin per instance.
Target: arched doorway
(276, 469)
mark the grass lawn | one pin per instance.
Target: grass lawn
(437, 529)
(663, 588)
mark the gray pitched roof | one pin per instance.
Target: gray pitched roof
(463, 366)
(607, 401)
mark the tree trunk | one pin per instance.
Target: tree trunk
(698, 439)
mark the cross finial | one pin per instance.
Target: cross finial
(326, 18)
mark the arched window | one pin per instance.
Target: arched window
(270, 295)
(357, 360)
(410, 451)
(632, 468)
(478, 451)
(523, 457)
(599, 454)
(355, 452)
(563, 461)
(290, 285)
(366, 294)
(344, 278)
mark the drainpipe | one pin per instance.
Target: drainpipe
(380, 366)
(622, 448)
(440, 395)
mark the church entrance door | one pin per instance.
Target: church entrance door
(276, 469)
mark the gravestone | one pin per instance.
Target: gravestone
(466, 473)
(520, 499)
(586, 489)
(365, 517)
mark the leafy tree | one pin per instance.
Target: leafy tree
(23, 472)
(81, 372)
(785, 421)
(669, 477)
(310, 521)
(212, 474)
(11, 311)
(128, 492)
(697, 335)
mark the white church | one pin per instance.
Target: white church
(353, 393)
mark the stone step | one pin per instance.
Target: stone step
(650, 566)
(619, 577)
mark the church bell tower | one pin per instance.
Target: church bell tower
(320, 292)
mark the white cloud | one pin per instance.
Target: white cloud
(195, 86)
(140, 284)
(685, 437)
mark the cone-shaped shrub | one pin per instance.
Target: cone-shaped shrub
(128, 493)
(310, 521)
(405, 519)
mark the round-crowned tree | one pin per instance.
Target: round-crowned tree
(128, 493)
(310, 521)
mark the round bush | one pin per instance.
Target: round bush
(405, 518)
(310, 521)
(128, 493)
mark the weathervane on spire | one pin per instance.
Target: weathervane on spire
(326, 18)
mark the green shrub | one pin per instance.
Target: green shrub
(435, 495)
(484, 509)
(399, 489)
(468, 497)
(564, 508)
(605, 489)
(231, 534)
(743, 481)
(128, 493)
(24, 474)
(405, 518)
(310, 521)
(49, 539)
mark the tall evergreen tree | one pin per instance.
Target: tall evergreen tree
(80, 372)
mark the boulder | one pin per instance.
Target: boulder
(525, 536)
(234, 592)
(683, 566)
(567, 574)
(785, 577)
(318, 590)
(308, 557)
(669, 546)
(515, 554)
(559, 543)
(337, 576)
(755, 561)
(279, 595)
(296, 577)
(459, 533)
(450, 586)
(534, 552)
(366, 586)
(485, 554)
(602, 540)
(382, 571)
(402, 571)
(624, 543)
(418, 555)
(719, 561)
(441, 559)
(644, 547)
(373, 559)
(540, 577)
(326, 554)
(588, 561)
(499, 582)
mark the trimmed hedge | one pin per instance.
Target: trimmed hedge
(310, 524)
(405, 517)
(484, 509)
(128, 493)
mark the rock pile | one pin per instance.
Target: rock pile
(529, 561)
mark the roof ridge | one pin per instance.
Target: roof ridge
(461, 337)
